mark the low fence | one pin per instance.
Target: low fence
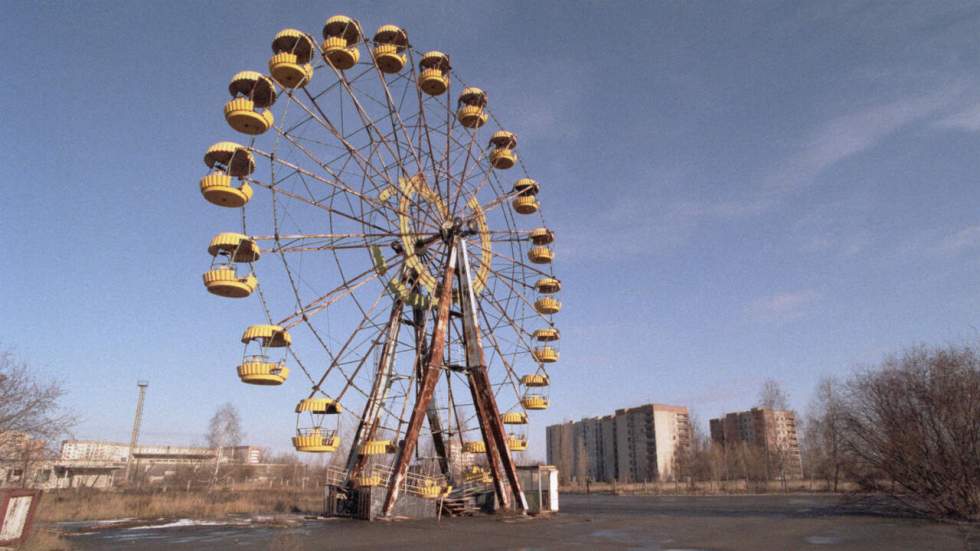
(714, 487)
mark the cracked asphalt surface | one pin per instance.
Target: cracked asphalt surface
(652, 523)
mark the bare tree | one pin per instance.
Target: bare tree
(915, 420)
(31, 417)
(28, 406)
(772, 396)
(823, 434)
(224, 430)
(694, 461)
(774, 456)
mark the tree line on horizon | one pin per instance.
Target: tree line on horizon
(908, 427)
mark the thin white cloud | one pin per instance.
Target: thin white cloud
(656, 225)
(967, 238)
(847, 135)
(642, 224)
(782, 306)
(967, 119)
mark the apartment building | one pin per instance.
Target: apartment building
(103, 451)
(560, 440)
(772, 430)
(649, 440)
(632, 445)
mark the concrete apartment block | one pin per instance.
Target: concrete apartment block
(774, 431)
(633, 445)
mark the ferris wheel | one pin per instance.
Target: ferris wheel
(406, 271)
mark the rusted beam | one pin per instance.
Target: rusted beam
(482, 389)
(379, 390)
(432, 411)
(474, 356)
(427, 387)
(359, 459)
(493, 452)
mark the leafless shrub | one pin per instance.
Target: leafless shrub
(224, 430)
(31, 416)
(915, 422)
(822, 442)
(773, 396)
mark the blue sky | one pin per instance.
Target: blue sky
(741, 191)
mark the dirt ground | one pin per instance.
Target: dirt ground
(653, 523)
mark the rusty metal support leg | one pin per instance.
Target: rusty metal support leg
(427, 387)
(493, 452)
(379, 391)
(482, 389)
(359, 459)
(432, 411)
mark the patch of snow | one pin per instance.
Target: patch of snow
(112, 521)
(191, 522)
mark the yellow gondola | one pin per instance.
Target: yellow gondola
(368, 480)
(236, 246)
(231, 158)
(548, 285)
(319, 406)
(270, 336)
(315, 431)
(503, 156)
(535, 380)
(516, 443)
(227, 160)
(223, 279)
(526, 204)
(476, 473)
(475, 446)
(547, 305)
(434, 77)
(378, 447)
(430, 490)
(390, 43)
(526, 186)
(314, 441)
(546, 334)
(250, 92)
(545, 354)
(540, 254)
(535, 402)
(290, 63)
(541, 236)
(472, 107)
(260, 370)
(341, 34)
(534, 397)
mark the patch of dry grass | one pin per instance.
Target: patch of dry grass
(96, 505)
(45, 539)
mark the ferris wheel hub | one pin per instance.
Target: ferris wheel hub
(450, 229)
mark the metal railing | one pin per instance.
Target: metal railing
(413, 483)
(335, 476)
